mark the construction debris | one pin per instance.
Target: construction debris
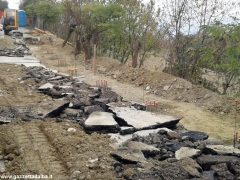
(18, 52)
(149, 145)
(101, 122)
(142, 119)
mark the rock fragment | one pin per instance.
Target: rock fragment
(206, 161)
(192, 167)
(222, 150)
(127, 130)
(147, 150)
(46, 87)
(129, 157)
(185, 152)
(195, 136)
(51, 109)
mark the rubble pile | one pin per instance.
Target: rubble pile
(20, 51)
(16, 48)
(72, 98)
(146, 145)
(172, 154)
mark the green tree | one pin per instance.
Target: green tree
(222, 52)
(25, 3)
(136, 35)
(92, 19)
(47, 10)
(186, 21)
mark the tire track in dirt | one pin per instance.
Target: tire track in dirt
(39, 156)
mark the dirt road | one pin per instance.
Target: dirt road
(194, 116)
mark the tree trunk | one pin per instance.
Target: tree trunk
(77, 48)
(227, 83)
(142, 59)
(70, 31)
(136, 49)
(87, 52)
(126, 58)
(94, 60)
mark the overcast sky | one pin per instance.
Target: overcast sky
(13, 4)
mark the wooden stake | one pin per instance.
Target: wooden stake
(94, 60)
(235, 126)
(143, 92)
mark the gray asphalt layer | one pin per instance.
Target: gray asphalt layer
(27, 60)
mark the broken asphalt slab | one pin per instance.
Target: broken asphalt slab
(127, 130)
(119, 139)
(147, 150)
(186, 152)
(5, 120)
(27, 61)
(145, 133)
(101, 122)
(46, 87)
(51, 108)
(222, 150)
(141, 120)
(129, 157)
(195, 136)
(206, 161)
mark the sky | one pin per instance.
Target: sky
(13, 4)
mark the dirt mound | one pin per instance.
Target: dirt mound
(169, 87)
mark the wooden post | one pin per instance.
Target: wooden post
(235, 134)
(75, 65)
(94, 60)
(143, 91)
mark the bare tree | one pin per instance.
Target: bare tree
(187, 21)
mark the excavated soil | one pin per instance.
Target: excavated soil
(46, 147)
(13, 91)
(169, 87)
